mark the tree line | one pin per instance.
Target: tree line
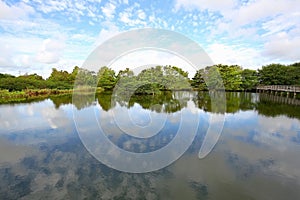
(159, 78)
(233, 77)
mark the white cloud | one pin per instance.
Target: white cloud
(282, 37)
(71, 9)
(6, 55)
(273, 28)
(213, 5)
(124, 17)
(83, 37)
(152, 18)
(133, 16)
(141, 14)
(80, 6)
(273, 24)
(52, 6)
(109, 10)
(242, 14)
(109, 30)
(282, 46)
(230, 54)
(138, 60)
(51, 51)
(17, 51)
(261, 10)
(13, 12)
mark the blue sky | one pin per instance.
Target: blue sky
(36, 35)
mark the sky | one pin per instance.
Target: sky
(37, 35)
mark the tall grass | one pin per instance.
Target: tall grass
(36, 94)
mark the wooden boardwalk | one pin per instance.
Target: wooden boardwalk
(279, 88)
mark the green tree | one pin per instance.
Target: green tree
(294, 73)
(125, 73)
(83, 77)
(213, 78)
(218, 77)
(198, 80)
(106, 78)
(231, 76)
(249, 79)
(59, 79)
(180, 71)
(175, 78)
(274, 74)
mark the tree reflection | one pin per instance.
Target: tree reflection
(170, 102)
(80, 101)
(265, 104)
(269, 106)
(167, 101)
(235, 101)
(104, 100)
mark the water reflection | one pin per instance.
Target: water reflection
(257, 156)
(169, 102)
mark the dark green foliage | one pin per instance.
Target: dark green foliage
(60, 79)
(249, 79)
(278, 74)
(6, 76)
(218, 77)
(233, 77)
(22, 83)
(57, 80)
(107, 78)
(198, 80)
(273, 74)
(149, 81)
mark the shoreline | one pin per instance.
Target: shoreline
(30, 95)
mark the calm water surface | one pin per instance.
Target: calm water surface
(256, 157)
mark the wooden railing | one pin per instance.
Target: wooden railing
(281, 88)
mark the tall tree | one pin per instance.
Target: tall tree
(198, 80)
(249, 79)
(274, 74)
(231, 76)
(106, 78)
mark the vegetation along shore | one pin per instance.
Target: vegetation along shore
(149, 81)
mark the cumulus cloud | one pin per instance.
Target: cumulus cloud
(282, 37)
(141, 14)
(6, 55)
(51, 51)
(133, 16)
(282, 46)
(275, 25)
(138, 60)
(108, 10)
(213, 5)
(234, 54)
(109, 30)
(13, 12)
(261, 10)
(17, 53)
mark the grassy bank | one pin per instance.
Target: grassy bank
(39, 94)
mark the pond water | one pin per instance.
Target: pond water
(257, 155)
